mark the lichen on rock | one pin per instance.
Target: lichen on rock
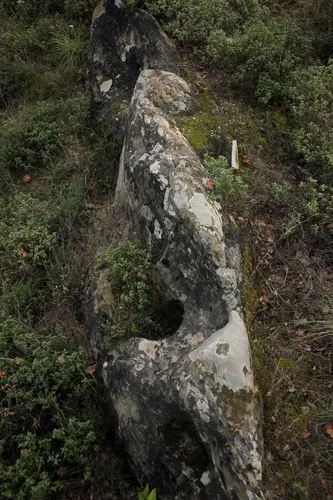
(191, 394)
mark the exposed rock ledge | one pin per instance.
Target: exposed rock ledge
(186, 405)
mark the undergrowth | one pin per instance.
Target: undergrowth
(53, 438)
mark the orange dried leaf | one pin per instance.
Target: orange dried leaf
(329, 429)
(246, 160)
(90, 370)
(2, 374)
(61, 471)
(209, 184)
(24, 253)
(26, 179)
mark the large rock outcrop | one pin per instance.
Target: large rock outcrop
(186, 405)
(124, 41)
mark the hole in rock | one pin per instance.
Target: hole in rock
(165, 318)
(184, 446)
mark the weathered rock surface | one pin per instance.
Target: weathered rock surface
(186, 405)
(124, 41)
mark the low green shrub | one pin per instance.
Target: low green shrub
(129, 273)
(317, 19)
(260, 56)
(317, 204)
(310, 94)
(49, 413)
(25, 238)
(41, 133)
(227, 181)
(191, 23)
(81, 10)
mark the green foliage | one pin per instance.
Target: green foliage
(81, 10)
(191, 22)
(318, 16)
(49, 417)
(41, 133)
(227, 181)
(129, 272)
(311, 96)
(263, 55)
(24, 234)
(317, 203)
(70, 44)
(23, 9)
(146, 495)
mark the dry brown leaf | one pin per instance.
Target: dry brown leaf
(17, 361)
(26, 179)
(2, 374)
(91, 206)
(209, 185)
(329, 429)
(90, 370)
(24, 253)
(305, 434)
(246, 160)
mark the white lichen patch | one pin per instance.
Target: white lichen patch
(148, 347)
(106, 86)
(155, 167)
(157, 230)
(231, 366)
(205, 478)
(205, 214)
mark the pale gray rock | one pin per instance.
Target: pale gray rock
(185, 406)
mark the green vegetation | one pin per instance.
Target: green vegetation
(53, 441)
(50, 415)
(269, 64)
(146, 495)
(129, 267)
(227, 182)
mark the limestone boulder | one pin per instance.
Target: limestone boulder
(186, 407)
(124, 41)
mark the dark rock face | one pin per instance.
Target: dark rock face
(186, 406)
(123, 42)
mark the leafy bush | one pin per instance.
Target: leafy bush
(48, 416)
(191, 23)
(227, 181)
(41, 133)
(24, 233)
(317, 18)
(311, 96)
(317, 203)
(261, 56)
(129, 272)
(80, 9)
